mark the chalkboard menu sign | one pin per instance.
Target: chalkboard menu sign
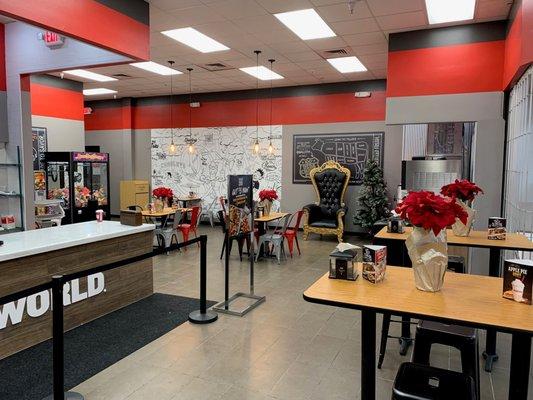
(351, 150)
(240, 203)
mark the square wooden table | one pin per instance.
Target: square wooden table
(469, 300)
(164, 214)
(478, 239)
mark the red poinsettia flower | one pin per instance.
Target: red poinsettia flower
(430, 211)
(268, 194)
(463, 190)
(163, 192)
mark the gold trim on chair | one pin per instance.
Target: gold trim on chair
(340, 224)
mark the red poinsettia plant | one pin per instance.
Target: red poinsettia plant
(463, 190)
(430, 211)
(163, 192)
(268, 194)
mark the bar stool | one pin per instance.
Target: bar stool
(455, 264)
(422, 382)
(460, 337)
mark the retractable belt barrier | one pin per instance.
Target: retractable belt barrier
(201, 316)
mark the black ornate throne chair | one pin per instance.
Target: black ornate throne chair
(326, 216)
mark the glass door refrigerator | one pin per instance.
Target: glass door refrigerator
(81, 180)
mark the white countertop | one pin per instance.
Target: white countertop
(28, 243)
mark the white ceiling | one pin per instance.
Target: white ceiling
(247, 25)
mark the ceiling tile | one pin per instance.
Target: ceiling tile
(167, 5)
(278, 6)
(242, 8)
(196, 16)
(405, 20)
(362, 39)
(327, 43)
(388, 7)
(303, 56)
(493, 9)
(355, 26)
(340, 12)
(370, 49)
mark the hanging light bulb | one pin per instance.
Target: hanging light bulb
(172, 148)
(270, 145)
(256, 149)
(190, 141)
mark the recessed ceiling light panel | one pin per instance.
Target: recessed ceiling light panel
(441, 11)
(262, 73)
(307, 24)
(156, 68)
(93, 76)
(195, 39)
(98, 91)
(347, 64)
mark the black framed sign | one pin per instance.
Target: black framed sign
(40, 146)
(240, 203)
(352, 150)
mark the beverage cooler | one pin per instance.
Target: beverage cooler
(81, 181)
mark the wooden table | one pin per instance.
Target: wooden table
(469, 300)
(163, 215)
(513, 241)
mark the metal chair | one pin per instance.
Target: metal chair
(239, 237)
(209, 212)
(291, 234)
(166, 234)
(276, 239)
(186, 229)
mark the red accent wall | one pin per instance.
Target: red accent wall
(86, 20)
(519, 44)
(343, 107)
(55, 102)
(465, 68)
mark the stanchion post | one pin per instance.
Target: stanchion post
(57, 337)
(58, 344)
(203, 316)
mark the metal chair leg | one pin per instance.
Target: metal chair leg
(384, 336)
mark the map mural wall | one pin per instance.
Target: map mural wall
(220, 151)
(350, 150)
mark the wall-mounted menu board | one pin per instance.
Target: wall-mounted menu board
(352, 150)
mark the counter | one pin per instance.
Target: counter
(30, 258)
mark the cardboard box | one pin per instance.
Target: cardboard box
(374, 263)
(497, 228)
(518, 280)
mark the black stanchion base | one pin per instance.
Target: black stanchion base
(68, 396)
(196, 317)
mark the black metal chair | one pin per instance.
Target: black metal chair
(462, 338)
(422, 382)
(240, 237)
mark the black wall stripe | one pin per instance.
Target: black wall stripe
(53, 81)
(453, 35)
(290, 91)
(139, 10)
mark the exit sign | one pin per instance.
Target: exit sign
(52, 39)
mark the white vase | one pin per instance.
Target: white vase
(429, 257)
(460, 229)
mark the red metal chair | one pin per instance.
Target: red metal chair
(291, 234)
(186, 229)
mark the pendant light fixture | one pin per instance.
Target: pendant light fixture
(270, 146)
(172, 148)
(190, 141)
(256, 148)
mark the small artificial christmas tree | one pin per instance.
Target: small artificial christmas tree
(373, 204)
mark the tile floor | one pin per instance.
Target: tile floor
(286, 349)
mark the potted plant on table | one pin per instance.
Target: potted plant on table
(267, 196)
(464, 192)
(430, 214)
(163, 197)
